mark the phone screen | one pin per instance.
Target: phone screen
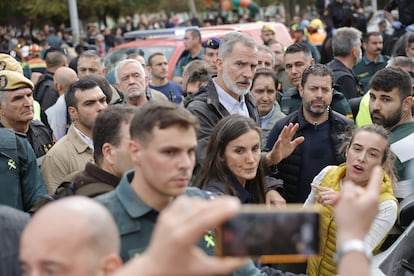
(285, 235)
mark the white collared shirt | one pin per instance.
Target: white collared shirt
(84, 138)
(232, 105)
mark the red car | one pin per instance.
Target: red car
(170, 41)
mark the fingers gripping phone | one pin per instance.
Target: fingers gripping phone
(286, 235)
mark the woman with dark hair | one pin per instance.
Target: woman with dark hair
(231, 166)
(368, 148)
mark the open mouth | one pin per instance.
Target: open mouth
(358, 168)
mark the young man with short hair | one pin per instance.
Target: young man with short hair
(390, 106)
(84, 100)
(158, 67)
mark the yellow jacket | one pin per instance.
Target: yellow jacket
(324, 264)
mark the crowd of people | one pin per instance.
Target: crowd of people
(166, 161)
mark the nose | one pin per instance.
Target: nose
(101, 106)
(266, 97)
(250, 157)
(294, 69)
(249, 72)
(319, 93)
(362, 156)
(187, 160)
(28, 100)
(374, 104)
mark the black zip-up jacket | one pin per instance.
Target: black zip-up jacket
(289, 170)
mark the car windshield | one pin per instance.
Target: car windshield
(117, 55)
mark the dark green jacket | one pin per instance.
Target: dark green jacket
(21, 181)
(136, 221)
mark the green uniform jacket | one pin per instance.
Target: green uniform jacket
(136, 221)
(21, 183)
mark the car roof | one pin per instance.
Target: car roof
(252, 29)
(170, 41)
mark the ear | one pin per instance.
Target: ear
(116, 85)
(110, 264)
(135, 151)
(73, 113)
(407, 103)
(104, 71)
(364, 45)
(312, 61)
(219, 64)
(300, 89)
(107, 152)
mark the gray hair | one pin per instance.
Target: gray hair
(92, 54)
(264, 48)
(125, 62)
(230, 39)
(344, 40)
(2, 98)
(401, 61)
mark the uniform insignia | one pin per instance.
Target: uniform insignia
(12, 164)
(3, 81)
(2, 65)
(209, 239)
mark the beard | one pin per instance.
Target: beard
(387, 123)
(233, 86)
(315, 111)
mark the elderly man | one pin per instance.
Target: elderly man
(17, 112)
(264, 89)
(130, 80)
(22, 183)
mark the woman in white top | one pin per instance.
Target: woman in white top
(368, 147)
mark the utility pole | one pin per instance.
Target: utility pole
(374, 5)
(74, 20)
(192, 8)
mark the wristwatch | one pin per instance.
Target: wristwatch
(350, 246)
